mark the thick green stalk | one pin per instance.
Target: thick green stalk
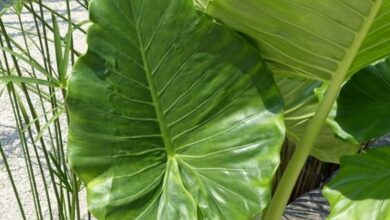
(304, 147)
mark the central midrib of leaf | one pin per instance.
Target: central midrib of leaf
(156, 101)
(352, 52)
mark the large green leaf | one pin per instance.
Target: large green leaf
(360, 191)
(316, 39)
(171, 116)
(364, 103)
(300, 105)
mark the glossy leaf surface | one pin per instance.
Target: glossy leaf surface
(172, 116)
(315, 39)
(300, 105)
(360, 190)
(364, 103)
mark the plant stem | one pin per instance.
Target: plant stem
(304, 147)
(12, 182)
(301, 153)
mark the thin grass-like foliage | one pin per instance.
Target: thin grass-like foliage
(34, 66)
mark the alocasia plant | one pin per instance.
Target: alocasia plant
(320, 40)
(361, 189)
(364, 102)
(316, 39)
(301, 102)
(174, 116)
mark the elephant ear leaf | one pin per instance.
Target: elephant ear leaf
(171, 116)
(360, 190)
(314, 39)
(301, 101)
(363, 106)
